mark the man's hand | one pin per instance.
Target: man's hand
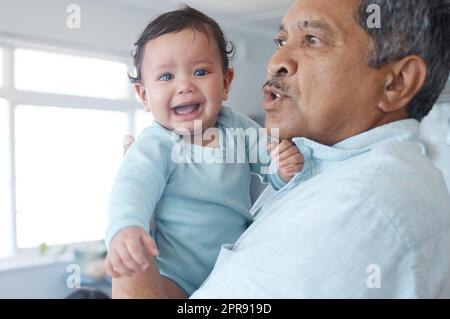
(127, 254)
(288, 157)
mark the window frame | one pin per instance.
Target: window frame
(14, 97)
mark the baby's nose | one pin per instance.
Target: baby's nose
(186, 87)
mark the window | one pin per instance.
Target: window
(41, 71)
(62, 124)
(66, 160)
(143, 120)
(5, 216)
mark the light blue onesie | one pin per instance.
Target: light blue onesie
(199, 205)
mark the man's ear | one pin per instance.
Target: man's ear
(140, 91)
(403, 81)
(227, 79)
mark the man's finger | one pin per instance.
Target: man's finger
(128, 140)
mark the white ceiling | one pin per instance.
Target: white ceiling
(262, 15)
(240, 7)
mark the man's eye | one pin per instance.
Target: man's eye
(313, 40)
(166, 77)
(201, 73)
(279, 43)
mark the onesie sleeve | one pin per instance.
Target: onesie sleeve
(140, 183)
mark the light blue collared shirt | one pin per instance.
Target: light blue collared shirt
(366, 218)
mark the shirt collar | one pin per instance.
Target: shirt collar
(404, 130)
(399, 130)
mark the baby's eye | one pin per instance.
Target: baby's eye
(166, 77)
(279, 42)
(201, 73)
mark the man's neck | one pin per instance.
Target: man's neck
(391, 117)
(382, 119)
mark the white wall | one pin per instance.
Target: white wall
(250, 72)
(111, 28)
(435, 133)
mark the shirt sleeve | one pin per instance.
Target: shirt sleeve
(139, 184)
(258, 155)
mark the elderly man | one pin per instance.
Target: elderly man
(369, 216)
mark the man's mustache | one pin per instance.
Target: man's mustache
(279, 85)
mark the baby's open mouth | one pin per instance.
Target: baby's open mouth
(186, 109)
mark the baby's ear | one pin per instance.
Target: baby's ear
(141, 92)
(227, 79)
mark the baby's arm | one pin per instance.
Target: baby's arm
(137, 188)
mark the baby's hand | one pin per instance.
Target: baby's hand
(127, 254)
(287, 155)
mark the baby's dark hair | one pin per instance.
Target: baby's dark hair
(176, 21)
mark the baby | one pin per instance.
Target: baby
(182, 77)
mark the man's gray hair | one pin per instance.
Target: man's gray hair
(412, 27)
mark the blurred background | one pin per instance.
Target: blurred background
(65, 105)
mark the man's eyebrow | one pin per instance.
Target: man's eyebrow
(315, 24)
(311, 24)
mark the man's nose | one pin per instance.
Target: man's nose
(282, 63)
